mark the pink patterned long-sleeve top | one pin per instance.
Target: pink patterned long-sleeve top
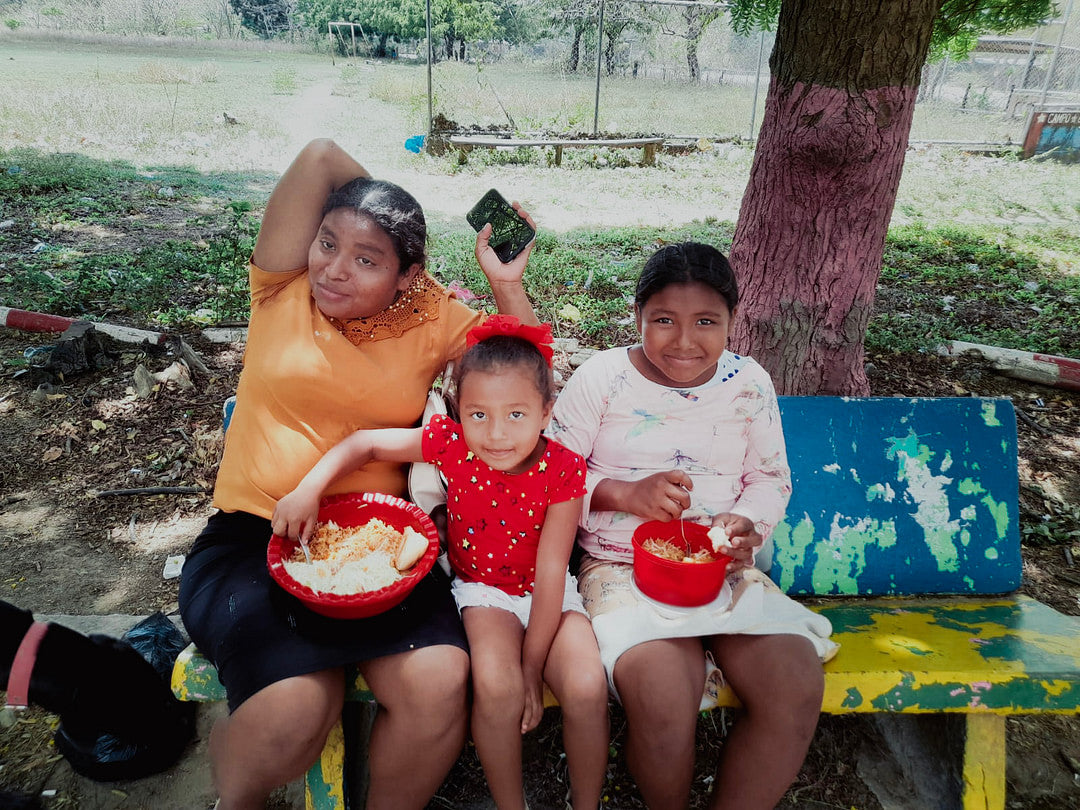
(725, 434)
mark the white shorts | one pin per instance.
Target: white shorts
(477, 594)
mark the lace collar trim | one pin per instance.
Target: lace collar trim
(417, 305)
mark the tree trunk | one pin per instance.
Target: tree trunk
(610, 44)
(575, 51)
(811, 231)
(694, 33)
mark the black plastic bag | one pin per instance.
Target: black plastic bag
(170, 723)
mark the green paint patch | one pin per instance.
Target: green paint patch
(999, 510)
(989, 414)
(792, 546)
(841, 558)
(853, 699)
(969, 486)
(880, 492)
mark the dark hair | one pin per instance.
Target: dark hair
(685, 262)
(390, 207)
(505, 351)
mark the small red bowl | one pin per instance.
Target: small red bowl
(356, 509)
(682, 584)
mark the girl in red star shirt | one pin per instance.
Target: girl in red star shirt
(513, 505)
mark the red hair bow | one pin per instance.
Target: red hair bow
(538, 336)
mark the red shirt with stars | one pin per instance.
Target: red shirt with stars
(495, 518)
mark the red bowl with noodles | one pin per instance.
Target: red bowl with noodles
(673, 581)
(349, 511)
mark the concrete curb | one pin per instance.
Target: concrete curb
(43, 322)
(109, 624)
(1047, 369)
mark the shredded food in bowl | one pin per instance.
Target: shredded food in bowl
(346, 560)
(667, 550)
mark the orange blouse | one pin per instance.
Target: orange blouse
(305, 386)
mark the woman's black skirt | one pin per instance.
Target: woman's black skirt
(256, 634)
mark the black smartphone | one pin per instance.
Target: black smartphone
(510, 234)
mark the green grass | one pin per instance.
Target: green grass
(170, 247)
(978, 285)
(103, 240)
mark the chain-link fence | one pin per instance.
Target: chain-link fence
(989, 96)
(675, 68)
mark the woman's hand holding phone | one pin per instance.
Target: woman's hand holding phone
(509, 230)
(498, 270)
(503, 259)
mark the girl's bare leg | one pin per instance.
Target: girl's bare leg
(419, 728)
(577, 678)
(273, 737)
(495, 638)
(660, 685)
(780, 683)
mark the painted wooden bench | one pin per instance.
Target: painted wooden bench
(903, 529)
(466, 143)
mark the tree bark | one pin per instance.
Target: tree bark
(808, 246)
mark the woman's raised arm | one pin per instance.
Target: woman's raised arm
(294, 210)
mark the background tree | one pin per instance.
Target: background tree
(458, 22)
(809, 242)
(576, 18)
(696, 18)
(267, 18)
(380, 19)
(619, 16)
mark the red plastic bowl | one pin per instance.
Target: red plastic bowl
(679, 583)
(356, 509)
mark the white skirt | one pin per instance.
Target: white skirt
(749, 603)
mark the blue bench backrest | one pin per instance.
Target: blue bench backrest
(899, 496)
(226, 413)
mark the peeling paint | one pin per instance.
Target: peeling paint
(932, 501)
(932, 471)
(883, 492)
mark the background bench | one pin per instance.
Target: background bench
(466, 143)
(903, 529)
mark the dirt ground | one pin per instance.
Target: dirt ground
(69, 547)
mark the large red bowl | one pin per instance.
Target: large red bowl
(356, 509)
(679, 583)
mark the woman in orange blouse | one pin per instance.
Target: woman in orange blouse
(347, 331)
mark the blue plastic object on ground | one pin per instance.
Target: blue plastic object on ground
(415, 143)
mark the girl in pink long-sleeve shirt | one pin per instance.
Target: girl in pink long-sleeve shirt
(677, 426)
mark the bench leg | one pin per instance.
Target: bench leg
(984, 762)
(558, 155)
(649, 158)
(324, 784)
